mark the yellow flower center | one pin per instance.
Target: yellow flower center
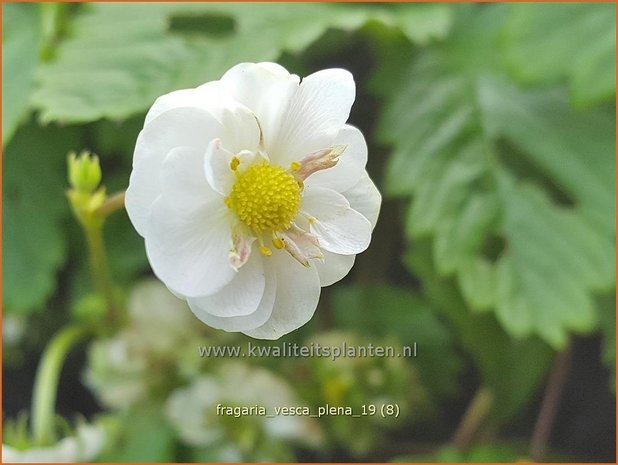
(265, 197)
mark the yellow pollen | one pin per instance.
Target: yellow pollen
(266, 251)
(294, 166)
(278, 243)
(266, 198)
(234, 163)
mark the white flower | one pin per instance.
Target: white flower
(84, 446)
(160, 331)
(159, 320)
(192, 410)
(115, 374)
(251, 193)
(13, 329)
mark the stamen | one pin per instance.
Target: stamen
(302, 245)
(234, 163)
(319, 160)
(265, 251)
(266, 198)
(294, 166)
(278, 243)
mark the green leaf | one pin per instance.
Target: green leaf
(545, 42)
(147, 437)
(554, 261)
(394, 40)
(116, 140)
(34, 208)
(386, 311)
(424, 22)
(21, 39)
(514, 186)
(481, 453)
(477, 282)
(570, 147)
(118, 58)
(512, 369)
(125, 249)
(114, 63)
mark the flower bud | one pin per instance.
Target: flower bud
(84, 172)
(90, 309)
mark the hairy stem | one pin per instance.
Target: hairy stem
(549, 405)
(475, 416)
(100, 271)
(46, 383)
(111, 204)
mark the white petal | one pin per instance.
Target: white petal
(241, 130)
(351, 165)
(365, 198)
(298, 292)
(183, 183)
(264, 88)
(10, 454)
(91, 439)
(186, 409)
(334, 267)
(188, 250)
(247, 322)
(301, 245)
(316, 113)
(240, 251)
(339, 228)
(151, 306)
(217, 167)
(241, 296)
(211, 97)
(176, 99)
(180, 127)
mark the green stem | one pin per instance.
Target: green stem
(111, 204)
(100, 271)
(46, 383)
(53, 26)
(475, 416)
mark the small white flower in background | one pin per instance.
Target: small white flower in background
(159, 320)
(116, 376)
(192, 410)
(84, 446)
(159, 332)
(13, 329)
(251, 194)
(378, 381)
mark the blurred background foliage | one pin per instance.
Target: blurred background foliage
(491, 133)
